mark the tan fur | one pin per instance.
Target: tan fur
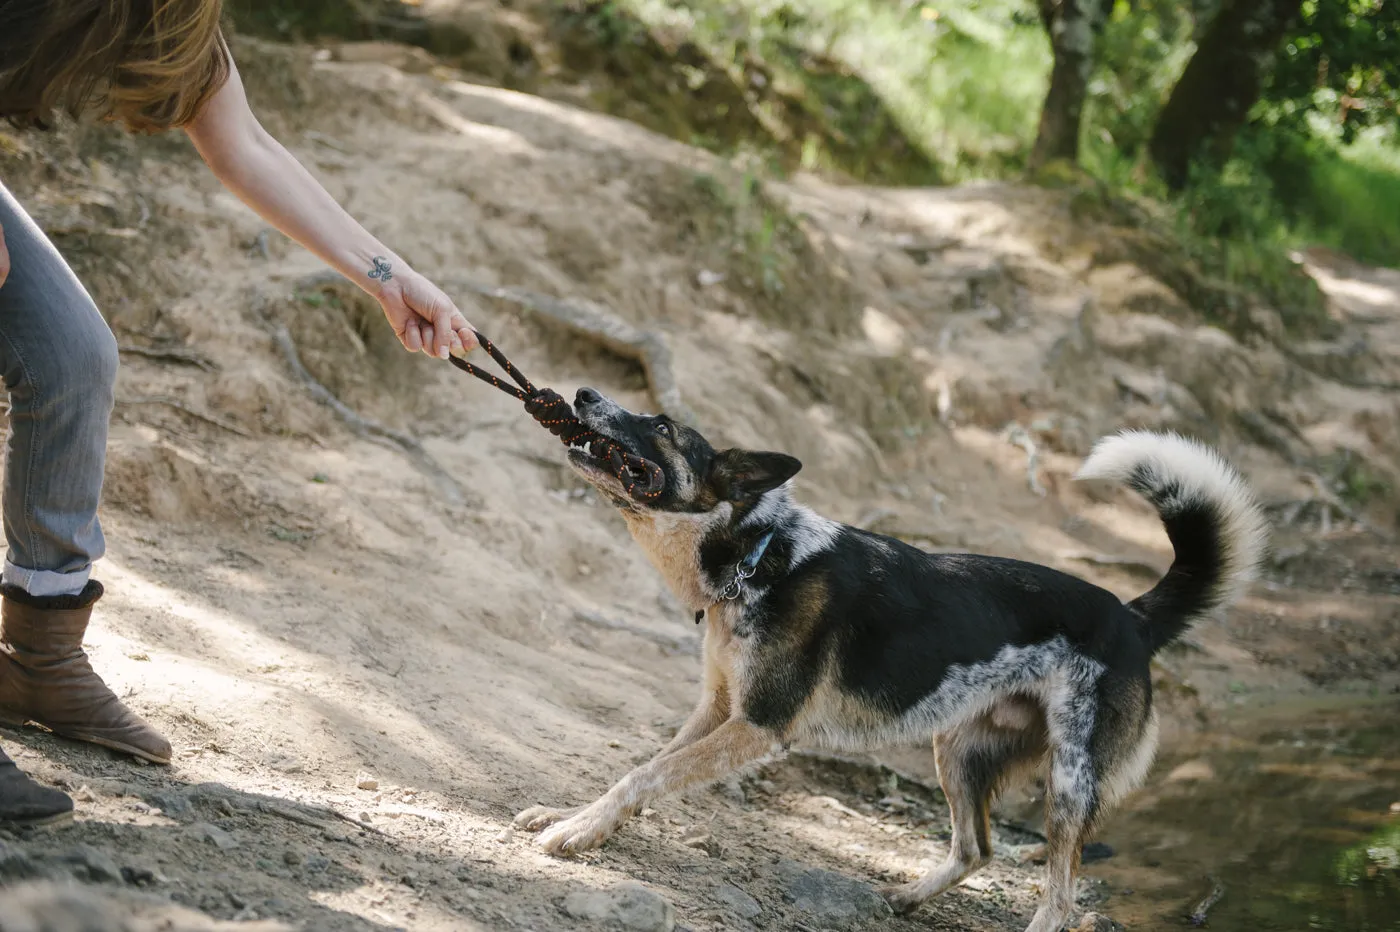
(975, 761)
(734, 744)
(671, 542)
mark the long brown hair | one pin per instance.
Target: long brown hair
(149, 64)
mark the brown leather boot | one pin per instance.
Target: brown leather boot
(45, 677)
(24, 802)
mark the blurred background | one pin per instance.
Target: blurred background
(934, 250)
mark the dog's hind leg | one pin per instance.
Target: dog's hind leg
(1074, 791)
(974, 762)
(1068, 820)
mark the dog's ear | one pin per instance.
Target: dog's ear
(742, 475)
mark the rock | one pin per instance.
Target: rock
(700, 838)
(92, 865)
(172, 805)
(67, 907)
(291, 858)
(215, 836)
(737, 901)
(629, 906)
(139, 876)
(1094, 922)
(366, 782)
(1095, 851)
(829, 899)
(16, 865)
(317, 864)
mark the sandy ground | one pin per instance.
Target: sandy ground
(367, 670)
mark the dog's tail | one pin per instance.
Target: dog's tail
(1215, 526)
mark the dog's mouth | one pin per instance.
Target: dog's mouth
(605, 457)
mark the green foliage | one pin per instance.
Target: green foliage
(1375, 860)
(1292, 178)
(1142, 50)
(1343, 63)
(884, 92)
(1353, 480)
(759, 232)
(1354, 202)
(299, 19)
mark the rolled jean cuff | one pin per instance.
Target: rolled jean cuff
(43, 583)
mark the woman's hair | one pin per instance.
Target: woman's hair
(149, 64)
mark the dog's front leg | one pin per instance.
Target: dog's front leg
(711, 712)
(728, 747)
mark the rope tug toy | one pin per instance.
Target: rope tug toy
(640, 477)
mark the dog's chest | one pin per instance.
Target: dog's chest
(672, 544)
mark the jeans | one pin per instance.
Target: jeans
(59, 362)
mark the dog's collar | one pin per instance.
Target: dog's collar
(744, 570)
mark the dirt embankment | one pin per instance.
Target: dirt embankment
(369, 659)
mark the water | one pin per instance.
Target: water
(1296, 815)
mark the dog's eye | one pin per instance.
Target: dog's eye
(663, 428)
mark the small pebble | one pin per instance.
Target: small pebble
(506, 835)
(366, 782)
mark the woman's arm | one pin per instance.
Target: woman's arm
(269, 179)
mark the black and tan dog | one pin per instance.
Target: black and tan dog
(822, 633)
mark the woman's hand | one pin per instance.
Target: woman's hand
(267, 178)
(4, 258)
(423, 317)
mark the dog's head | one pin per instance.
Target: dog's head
(696, 476)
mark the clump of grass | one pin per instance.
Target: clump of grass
(756, 229)
(1354, 202)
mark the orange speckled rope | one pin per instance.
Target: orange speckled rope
(556, 415)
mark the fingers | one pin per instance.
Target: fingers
(466, 334)
(455, 336)
(412, 336)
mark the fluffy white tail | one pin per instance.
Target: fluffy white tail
(1217, 530)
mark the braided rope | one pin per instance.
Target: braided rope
(557, 416)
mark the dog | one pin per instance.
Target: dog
(823, 633)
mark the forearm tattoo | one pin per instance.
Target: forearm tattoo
(381, 270)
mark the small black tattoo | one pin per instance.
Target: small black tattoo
(381, 269)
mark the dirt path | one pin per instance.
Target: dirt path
(366, 673)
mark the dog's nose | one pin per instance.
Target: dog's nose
(587, 396)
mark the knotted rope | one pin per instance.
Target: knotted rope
(557, 416)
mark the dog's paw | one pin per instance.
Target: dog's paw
(541, 817)
(903, 898)
(578, 834)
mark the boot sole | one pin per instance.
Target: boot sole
(16, 721)
(39, 822)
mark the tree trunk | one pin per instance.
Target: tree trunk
(1072, 25)
(1221, 83)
